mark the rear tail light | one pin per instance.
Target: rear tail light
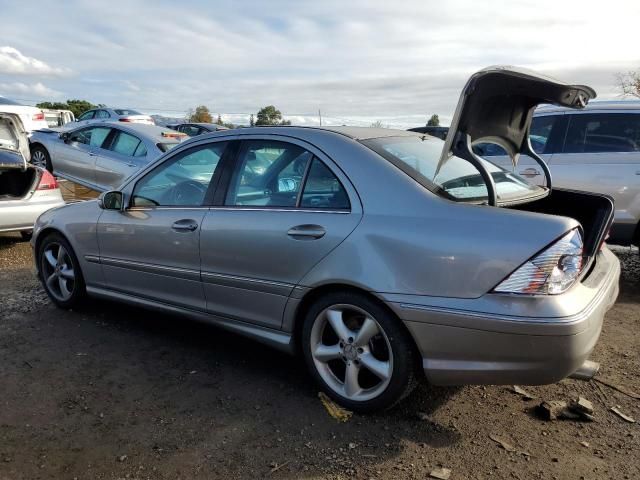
(550, 272)
(125, 119)
(47, 181)
(37, 116)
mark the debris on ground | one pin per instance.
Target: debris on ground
(522, 392)
(626, 418)
(277, 466)
(584, 444)
(576, 409)
(619, 388)
(440, 473)
(122, 458)
(335, 410)
(503, 443)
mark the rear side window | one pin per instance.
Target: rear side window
(540, 133)
(603, 132)
(124, 144)
(102, 114)
(323, 190)
(87, 115)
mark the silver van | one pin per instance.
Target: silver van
(596, 149)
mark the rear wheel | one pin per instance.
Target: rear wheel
(60, 271)
(40, 157)
(358, 352)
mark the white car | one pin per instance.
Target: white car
(105, 114)
(32, 118)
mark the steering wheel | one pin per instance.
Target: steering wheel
(187, 192)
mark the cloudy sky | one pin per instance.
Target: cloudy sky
(357, 61)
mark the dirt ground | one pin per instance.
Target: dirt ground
(116, 392)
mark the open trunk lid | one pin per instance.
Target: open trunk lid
(14, 146)
(496, 106)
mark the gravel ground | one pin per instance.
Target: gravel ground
(115, 392)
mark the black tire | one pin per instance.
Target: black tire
(404, 365)
(43, 151)
(78, 291)
(26, 235)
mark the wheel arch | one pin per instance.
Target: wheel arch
(317, 292)
(42, 234)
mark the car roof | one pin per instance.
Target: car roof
(622, 105)
(355, 133)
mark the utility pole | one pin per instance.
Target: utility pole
(320, 116)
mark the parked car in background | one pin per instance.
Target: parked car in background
(58, 118)
(381, 255)
(105, 114)
(439, 132)
(102, 154)
(25, 191)
(596, 149)
(194, 129)
(32, 118)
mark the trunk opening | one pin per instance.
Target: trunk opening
(16, 184)
(593, 211)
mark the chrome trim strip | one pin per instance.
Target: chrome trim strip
(92, 258)
(241, 209)
(154, 269)
(244, 283)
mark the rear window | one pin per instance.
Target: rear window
(458, 179)
(603, 132)
(123, 111)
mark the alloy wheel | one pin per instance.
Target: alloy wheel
(57, 271)
(351, 352)
(39, 159)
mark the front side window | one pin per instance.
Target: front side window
(458, 179)
(93, 136)
(124, 144)
(181, 180)
(603, 132)
(268, 174)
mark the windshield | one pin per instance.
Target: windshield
(458, 179)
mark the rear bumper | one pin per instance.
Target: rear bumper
(18, 215)
(496, 345)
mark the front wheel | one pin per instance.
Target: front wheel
(60, 271)
(358, 352)
(41, 158)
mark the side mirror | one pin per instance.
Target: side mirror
(111, 200)
(64, 137)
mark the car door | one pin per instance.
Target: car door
(601, 154)
(122, 156)
(285, 206)
(151, 249)
(76, 156)
(546, 136)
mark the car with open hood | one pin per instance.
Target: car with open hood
(25, 191)
(100, 155)
(378, 256)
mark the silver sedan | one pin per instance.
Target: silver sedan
(102, 155)
(383, 256)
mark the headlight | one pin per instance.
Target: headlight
(550, 272)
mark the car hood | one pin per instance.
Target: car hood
(14, 144)
(497, 104)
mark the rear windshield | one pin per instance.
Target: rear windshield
(122, 111)
(165, 147)
(458, 179)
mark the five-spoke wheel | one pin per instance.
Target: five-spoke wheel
(358, 351)
(59, 271)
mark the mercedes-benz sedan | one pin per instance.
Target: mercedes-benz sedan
(382, 256)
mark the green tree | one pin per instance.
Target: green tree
(252, 120)
(78, 107)
(270, 115)
(219, 121)
(434, 121)
(200, 115)
(377, 124)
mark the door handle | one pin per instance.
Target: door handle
(186, 225)
(131, 165)
(529, 172)
(306, 232)
(91, 154)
